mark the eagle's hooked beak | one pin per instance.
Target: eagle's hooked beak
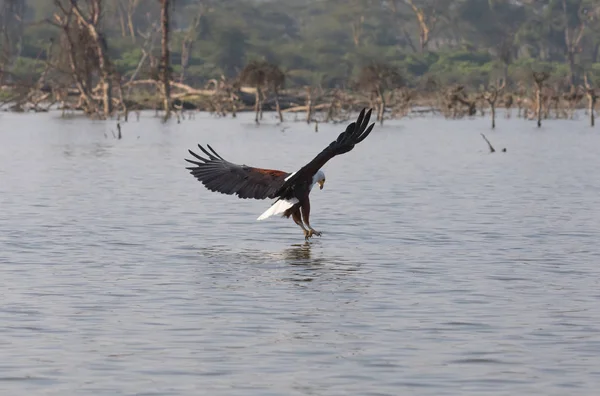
(321, 183)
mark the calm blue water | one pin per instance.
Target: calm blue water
(442, 269)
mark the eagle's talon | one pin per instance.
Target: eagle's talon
(310, 233)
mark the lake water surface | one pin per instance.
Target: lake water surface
(442, 269)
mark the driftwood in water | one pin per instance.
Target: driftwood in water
(492, 150)
(305, 109)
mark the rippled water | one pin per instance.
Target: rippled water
(442, 269)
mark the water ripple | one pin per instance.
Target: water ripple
(442, 270)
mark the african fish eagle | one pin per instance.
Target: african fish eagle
(291, 190)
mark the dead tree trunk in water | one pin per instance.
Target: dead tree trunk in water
(508, 102)
(381, 109)
(538, 106)
(275, 80)
(492, 96)
(257, 74)
(377, 79)
(257, 105)
(592, 97)
(165, 57)
(308, 104)
(278, 106)
(89, 105)
(539, 79)
(101, 49)
(85, 53)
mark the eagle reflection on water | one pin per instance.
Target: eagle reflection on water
(298, 252)
(298, 255)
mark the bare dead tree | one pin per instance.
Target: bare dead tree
(403, 99)
(458, 103)
(12, 13)
(36, 93)
(188, 41)
(573, 38)
(358, 21)
(539, 78)
(333, 105)
(127, 9)
(254, 74)
(121, 101)
(491, 96)
(276, 81)
(309, 103)
(505, 54)
(427, 19)
(399, 18)
(377, 79)
(81, 59)
(186, 48)
(91, 22)
(521, 96)
(572, 98)
(120, 10)
(77, 59)
(229, 88)
(147, 47)
(592, 96)
(508, 102)
(165, 57)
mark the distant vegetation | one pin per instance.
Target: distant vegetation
(323, 51)
(327, 42)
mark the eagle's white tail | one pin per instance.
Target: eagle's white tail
(278, 208)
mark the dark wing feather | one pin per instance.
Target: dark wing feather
(225, 177)
(355, 133)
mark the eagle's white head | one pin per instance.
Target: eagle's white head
(319, 178)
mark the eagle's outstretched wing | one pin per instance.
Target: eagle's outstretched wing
(355, 133)
(225, 177)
